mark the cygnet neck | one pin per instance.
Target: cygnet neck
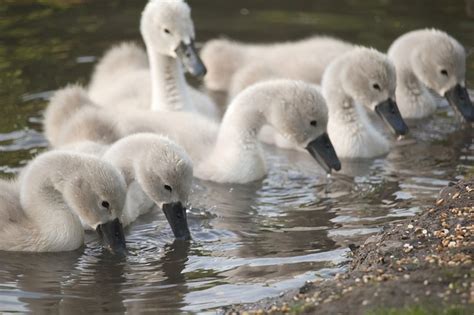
(244, 118)
(169, 88)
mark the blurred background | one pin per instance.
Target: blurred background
(249, 242)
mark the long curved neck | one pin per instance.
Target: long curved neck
(242, 122)
(168, 85)
(236, 156)
(343, 108)
(413, 98)
(348, 115)
(350, 129)
(42, 199)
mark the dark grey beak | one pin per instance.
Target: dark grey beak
(323, 152)
(112, 236)
(458, 98)
(189, 57)
(388, 111)
(176, 215)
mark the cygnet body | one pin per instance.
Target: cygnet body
(89, 123)
(232, 65)
(231, 152)
(42, 211)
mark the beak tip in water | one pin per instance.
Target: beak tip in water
(322, 150)
(175, 213)
(403, 131)
(113, 237)
(390, 114)
(458, 98)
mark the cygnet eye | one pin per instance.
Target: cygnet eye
(376, 86)
(444, 72)
(106, 204)
(168, 188)
(167, 31)
(313, 123)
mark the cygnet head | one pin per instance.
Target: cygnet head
(369, 77)
(300, 115)
(439, 62)
(167, 29)
(97, 194)
(167, 177)
(165, 173)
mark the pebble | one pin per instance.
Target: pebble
(407, 248)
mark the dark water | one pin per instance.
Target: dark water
(250, 241)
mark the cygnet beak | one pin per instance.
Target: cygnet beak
(189, 57)
(112, 236)
(388, 111)
(175, 213)
(458, 98)
(323, 152)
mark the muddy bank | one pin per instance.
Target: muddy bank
(423, 265)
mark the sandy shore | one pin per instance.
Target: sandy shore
(423, 265)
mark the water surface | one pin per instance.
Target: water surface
(250, 241)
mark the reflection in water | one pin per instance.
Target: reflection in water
(470, 8)
(249, 241)
(100, 274)
(38, 277)
(162, 291)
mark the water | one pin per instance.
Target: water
(250, 241)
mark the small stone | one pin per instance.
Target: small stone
(426, 282)
(365, 302)
(439, 201)
(456, 195)
(410, 226)
(407, 248)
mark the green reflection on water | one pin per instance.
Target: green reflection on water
(40, 41)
